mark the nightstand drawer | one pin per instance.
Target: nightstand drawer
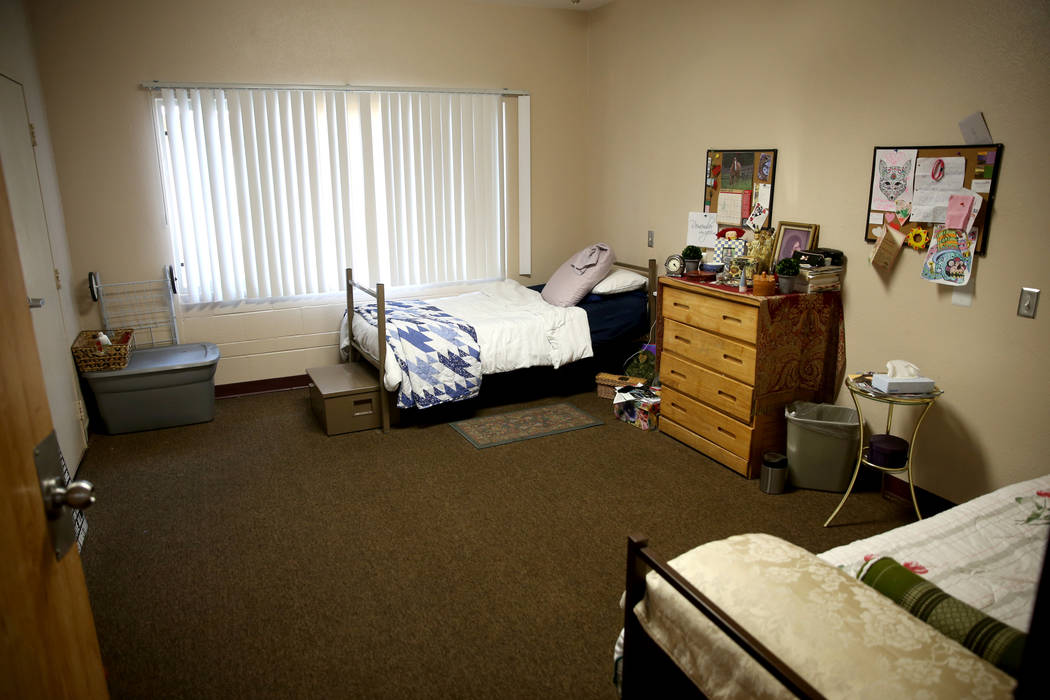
(709, 313)
(720, 354)
(721, 392)
(706, 422)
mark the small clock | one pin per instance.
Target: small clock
(674, 265)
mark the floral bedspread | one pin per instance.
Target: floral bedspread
(986, 552)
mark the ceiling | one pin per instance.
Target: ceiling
(582, 5)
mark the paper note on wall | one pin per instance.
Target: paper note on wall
(703, 229)
(730, 208)
(765, 194)
(894, 177)
(958, 211)
(950, 257)
(757, 219)
(886, 249)
(940, 173)
(981, 186)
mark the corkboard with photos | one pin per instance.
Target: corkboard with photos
(737, 180)
(925, 178)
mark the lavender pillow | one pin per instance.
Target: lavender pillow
(577, 276)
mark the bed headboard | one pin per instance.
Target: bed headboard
(650, 272)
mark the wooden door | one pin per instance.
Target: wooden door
(18, 156)
(48, 647)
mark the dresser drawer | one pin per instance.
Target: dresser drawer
(723, 393)
(706, 422)
(725, 356)
(720, 316)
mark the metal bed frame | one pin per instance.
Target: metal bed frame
(379, 294)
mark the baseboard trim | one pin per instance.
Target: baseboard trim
(929, 502)
(261, 386)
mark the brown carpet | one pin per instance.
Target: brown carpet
(255, 557)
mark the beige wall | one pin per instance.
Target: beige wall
(626, 101)
(94, 55)
(825, 82)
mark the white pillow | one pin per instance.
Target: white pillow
(620, 280)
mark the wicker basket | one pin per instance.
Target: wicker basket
(607, 383)
(92, 356)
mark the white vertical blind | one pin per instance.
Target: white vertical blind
(524, 185)
(273, 192)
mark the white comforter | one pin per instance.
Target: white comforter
(516, 328)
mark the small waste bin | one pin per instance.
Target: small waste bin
(774, 473)
(822, 441)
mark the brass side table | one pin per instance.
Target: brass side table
(860, 386)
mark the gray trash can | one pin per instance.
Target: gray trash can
(822, 441)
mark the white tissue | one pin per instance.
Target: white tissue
(104, 339)
(901, 368)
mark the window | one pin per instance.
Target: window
(274, 192)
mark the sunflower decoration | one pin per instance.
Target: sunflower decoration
(918, 238)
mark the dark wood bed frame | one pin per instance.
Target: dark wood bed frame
(647, 671)
(379, 294)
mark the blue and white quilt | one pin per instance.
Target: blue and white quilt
(438, 354)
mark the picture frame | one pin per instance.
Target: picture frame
(792, 236)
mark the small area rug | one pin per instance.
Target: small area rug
(503, 428)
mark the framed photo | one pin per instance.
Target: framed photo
(791, 237)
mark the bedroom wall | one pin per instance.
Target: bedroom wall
(93, 56)
(825, 82)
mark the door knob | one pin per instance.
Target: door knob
(77, 495)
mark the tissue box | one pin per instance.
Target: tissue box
(902, 385)
(640, 414)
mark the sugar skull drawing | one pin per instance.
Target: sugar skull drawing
(893, 179)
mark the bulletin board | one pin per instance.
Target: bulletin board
(737, 180)
(926, 176)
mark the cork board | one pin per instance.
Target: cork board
(737, 180)
(932, 173)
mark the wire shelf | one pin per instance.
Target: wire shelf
(147, 306)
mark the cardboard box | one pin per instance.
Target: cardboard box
(640, 414)
(902, 385)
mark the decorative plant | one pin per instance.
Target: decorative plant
(692, 252)
(788, 267)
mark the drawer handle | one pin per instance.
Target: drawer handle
(683, 340)
(728, 396)
(723, 430)
(680, 305)
(731, 318)
(674, 405)
(732, 359)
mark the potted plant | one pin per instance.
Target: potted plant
(786, 269)
(692, 255)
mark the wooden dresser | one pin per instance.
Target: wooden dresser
(730, 362)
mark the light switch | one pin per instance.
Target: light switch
(651, 236)
(1029, 300)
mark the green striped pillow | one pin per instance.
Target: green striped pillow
(985, 636)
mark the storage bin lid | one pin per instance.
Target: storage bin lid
(165, 359)
(343, 379)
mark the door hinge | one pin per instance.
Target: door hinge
(32, 135)
(58, 279)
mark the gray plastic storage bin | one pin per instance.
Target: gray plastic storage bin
(160, 388)
(822, 442)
